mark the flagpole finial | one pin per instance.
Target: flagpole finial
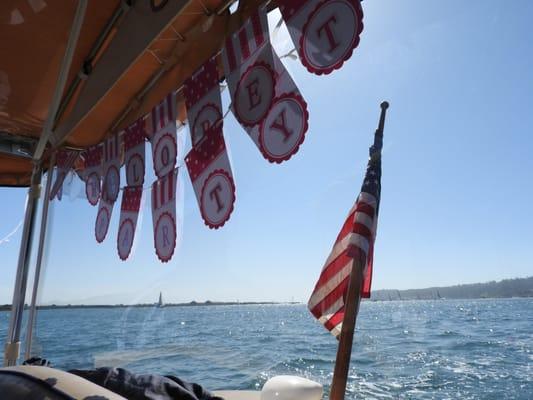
(375, 149)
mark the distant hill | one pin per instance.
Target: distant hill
(519, 287)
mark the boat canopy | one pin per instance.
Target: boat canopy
(113, 71)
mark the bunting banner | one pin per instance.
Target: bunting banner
(210, 171)
(129, 210)
(93, 173)
(203, 101)
(110, 186)
(164, 215)
(325, 32)
(65, 160)
(163, 136)
(134, 149)
(265, 99)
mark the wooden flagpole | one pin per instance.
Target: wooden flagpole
(344, 351)
(353, 295)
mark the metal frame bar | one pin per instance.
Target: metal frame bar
(157, 75)
(62, 79)
(40, 253)
(18, 146)
(12, 348)
(97, 46)
(125, 48)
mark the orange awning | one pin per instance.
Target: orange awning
(140, 54)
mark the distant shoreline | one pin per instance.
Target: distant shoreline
(505, 289)
(7, 307)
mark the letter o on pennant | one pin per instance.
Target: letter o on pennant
(217, 198)
(283, 130)
(254, 94)
(330, 35)
(165, 153)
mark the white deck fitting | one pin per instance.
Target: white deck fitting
(238, 394)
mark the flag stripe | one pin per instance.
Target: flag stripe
(363, 231)
(334, 268)
(335, 320)
(333, 295)
(322, 291)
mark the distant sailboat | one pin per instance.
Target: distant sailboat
(160, 302)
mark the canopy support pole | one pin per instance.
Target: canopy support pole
(62, 79)
(12, 348)
(40, 252)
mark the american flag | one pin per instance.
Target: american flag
(355, 239)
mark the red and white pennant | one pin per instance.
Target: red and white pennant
(163, 136)
(210, 171)
(325, 32)
(265, 99)
(92, 174)
(164, 215)
(203, 101)
(129, 210)
(64, 161)
(110, 186)
(134, 148)
(111, 181)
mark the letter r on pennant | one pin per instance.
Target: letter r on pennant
(126, 238)
(215, 195)
(166, 242)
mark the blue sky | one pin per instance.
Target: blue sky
(457, 175)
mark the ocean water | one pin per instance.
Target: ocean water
(447, 349)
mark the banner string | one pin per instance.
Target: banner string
(290, 55)
(8, 236)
